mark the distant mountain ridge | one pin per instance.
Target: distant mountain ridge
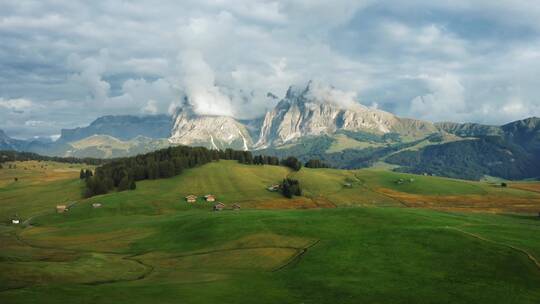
(308, 124)
(124, 127)
(112, 136)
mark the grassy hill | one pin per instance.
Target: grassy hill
(354, 243)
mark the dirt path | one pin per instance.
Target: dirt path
(297, 257)
(520, 250)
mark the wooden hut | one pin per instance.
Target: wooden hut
(191, 198)
(61, 208)
(236, 207)
(273, 188)
(210, 198)
(219, 206)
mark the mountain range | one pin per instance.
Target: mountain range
(307, 124)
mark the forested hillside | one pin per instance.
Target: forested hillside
(512, 154)
(471, 159)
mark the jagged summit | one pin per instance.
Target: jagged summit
(310, 110)
(317, 110)
(214, 132)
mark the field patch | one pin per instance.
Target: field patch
(535, 187)
(91, 268)
(477, 203)
(251, 253)
(83, 239)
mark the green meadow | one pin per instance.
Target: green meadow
(349, 239)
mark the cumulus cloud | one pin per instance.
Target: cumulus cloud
(324, 93)
(89, 74)
(199, 83)
(17, 104)
(150, 107)
(445, 98)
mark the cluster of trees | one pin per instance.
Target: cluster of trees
(315, 163)
(84, 174)
(290, 187)
(292, 162)
(265, 160)
(10, 156)
(121, 174)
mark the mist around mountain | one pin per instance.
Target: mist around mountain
(315, 122)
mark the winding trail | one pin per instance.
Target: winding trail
(531, 257)
(296, 258)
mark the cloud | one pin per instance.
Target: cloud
(89, 74)
(445, 99)
(17, 105)
(323, 93)
(76, 60)
(150, 108)
(36, 123)
(199, 83)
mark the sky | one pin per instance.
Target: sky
(64, 63)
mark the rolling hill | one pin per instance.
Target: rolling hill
(336, 243)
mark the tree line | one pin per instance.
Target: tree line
(11, 156)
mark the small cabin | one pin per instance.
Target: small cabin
(15, 221)
(273, 188)
(61, 208)
(236, 207)
(210, 198)
(96, 205)
(219, 206)
(191, 198)
(347, 185)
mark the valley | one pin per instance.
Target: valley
(354, 235)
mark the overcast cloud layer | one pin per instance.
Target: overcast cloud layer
(64, 63)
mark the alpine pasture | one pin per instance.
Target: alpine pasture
(358, 236)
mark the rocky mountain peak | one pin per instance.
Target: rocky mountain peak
(318, 110)
(214, 132)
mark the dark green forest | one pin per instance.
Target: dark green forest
(471, 159)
